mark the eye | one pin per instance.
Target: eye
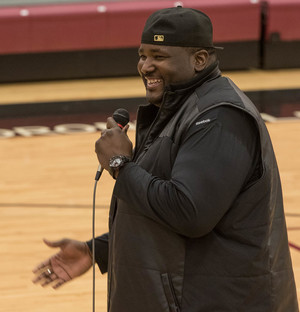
(159, 57)
(142, 57)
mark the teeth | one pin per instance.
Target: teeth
(151, 81)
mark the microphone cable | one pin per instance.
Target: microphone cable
(121, 116)
(97, 177)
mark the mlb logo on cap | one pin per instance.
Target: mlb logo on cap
(159, 38)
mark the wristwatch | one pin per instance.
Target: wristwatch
(116, 162)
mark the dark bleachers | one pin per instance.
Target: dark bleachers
(100, 38)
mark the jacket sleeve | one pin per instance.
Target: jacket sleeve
(211, 167)
(101, 251)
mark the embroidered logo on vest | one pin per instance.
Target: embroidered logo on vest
(202, 122)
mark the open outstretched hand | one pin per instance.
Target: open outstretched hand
(73, 259)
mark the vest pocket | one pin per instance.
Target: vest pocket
(170, 293)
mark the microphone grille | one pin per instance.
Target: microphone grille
(121, 116)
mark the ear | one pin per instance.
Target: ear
(201, 60)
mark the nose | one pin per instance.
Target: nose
(146, 66)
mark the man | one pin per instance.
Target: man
(196, 218)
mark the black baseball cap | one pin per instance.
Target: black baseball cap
(178, 26)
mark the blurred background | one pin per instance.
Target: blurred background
(65, 66)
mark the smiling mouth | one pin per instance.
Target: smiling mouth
(152, 82)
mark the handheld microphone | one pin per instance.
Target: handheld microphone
(121, 117)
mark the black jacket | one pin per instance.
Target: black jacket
(192, 227)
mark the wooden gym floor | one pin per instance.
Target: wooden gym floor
(47, 183)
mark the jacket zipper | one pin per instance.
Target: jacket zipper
(170, 292)
(138, 149)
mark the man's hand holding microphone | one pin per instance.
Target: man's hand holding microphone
(114, 148)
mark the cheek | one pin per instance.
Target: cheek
(187, 68)
(187, 73)
(139, 67)
(181, 70)
(142, 70)
(182, 74)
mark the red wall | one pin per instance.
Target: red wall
(103, 25)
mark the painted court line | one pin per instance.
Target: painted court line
(294, 246)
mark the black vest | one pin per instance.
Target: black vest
(244, 264)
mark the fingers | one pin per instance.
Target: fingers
(52, 280)
(108, 130)
(46, 277)
(111, 123)
(50, 272)
(125, 129)
(57, 283)
(54, 244)
(44, 273)
(42, 266)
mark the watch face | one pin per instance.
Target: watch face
(116, 162)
